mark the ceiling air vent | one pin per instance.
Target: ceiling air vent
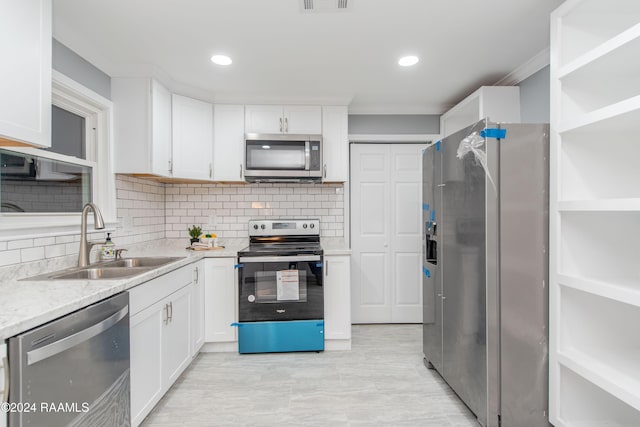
(325, 5)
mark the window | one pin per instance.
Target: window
(77, 166)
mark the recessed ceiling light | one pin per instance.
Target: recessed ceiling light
(221, 59)
(407, 61)
(266, 147)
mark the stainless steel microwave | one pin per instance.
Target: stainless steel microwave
(283, 157)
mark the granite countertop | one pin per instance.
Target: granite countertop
(335, 246)
(26, 304)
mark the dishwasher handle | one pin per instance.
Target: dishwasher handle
(37, 355)
(5, 365)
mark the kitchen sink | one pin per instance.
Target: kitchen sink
(139, 262)
(100, 273)
(118, 269)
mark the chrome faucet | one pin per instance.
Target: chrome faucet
(85, 246)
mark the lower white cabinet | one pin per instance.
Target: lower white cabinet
(337, 297)
(221, 300)
(160, 337)
(197, 307)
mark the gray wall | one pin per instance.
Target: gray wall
(534, 97)
(79, 69)
(394, 124)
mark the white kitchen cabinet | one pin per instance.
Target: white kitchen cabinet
(295, 119)
(142, 126)
(337, 297)
(160, 337)
(176, 342)
(594, 214)
(498, 103)
(221, 300)
(25, 76)
(192, 142)
(3, 360)
(197, 308)
(228, 143)
(335, 144)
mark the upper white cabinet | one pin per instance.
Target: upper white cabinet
(335, 144)
(25, 76)
(142, 126)
(498, 103)
(192, 138)
(228, 142)
(301, 119)
(594, 216)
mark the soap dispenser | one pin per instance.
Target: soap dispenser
(108, 251)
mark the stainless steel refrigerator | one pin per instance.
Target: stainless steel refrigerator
(485, 269)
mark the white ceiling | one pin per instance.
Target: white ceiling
(283, 55)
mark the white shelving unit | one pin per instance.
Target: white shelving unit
(595, 214)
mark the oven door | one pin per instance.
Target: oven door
(280, 288)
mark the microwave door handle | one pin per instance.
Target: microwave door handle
(307, 155)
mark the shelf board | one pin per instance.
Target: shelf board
(603, 375)
(623, 115)
(600, 205)
(608, 54)
(621, 290)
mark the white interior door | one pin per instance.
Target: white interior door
(385, 233)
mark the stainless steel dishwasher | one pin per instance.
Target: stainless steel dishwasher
(73, 371)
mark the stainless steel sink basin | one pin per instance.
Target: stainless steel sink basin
(117, 269)
(100, 273)
(140, 262)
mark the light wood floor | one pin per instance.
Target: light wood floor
(380, 382)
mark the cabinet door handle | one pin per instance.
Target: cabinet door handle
(280, 124)
(324, 171)
(210, 171)
(197, 274)
(170, 168)
(166, 314)
(240, 170)
(171, 311)
(326, 267)
(286, 124)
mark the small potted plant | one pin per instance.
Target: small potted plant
(194, 233)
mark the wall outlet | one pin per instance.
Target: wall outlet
(339, 190)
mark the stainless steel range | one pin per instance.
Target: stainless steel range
(281, 299)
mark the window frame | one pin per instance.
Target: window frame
(97, 111)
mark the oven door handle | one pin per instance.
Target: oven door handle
(293, 258)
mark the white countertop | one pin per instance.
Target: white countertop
(26, 304)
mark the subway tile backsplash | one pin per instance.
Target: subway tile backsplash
(225, 209)
(148, 210)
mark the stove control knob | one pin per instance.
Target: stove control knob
(255, 226)
(262, 226)
(304, 225)
(312, 225)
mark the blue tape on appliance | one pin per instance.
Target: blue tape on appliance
(433, 215)
(425, 206)
(437, 145)
(493, 133)
(426, 272)
(319, 264)
(236, 266)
